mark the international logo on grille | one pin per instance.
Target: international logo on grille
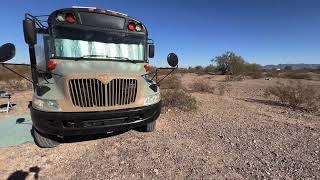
(104, 79)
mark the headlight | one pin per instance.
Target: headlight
(152, 99)
(46, 105)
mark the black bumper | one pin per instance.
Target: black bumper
(89, 123)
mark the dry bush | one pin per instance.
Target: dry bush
(15, 85)
(272, 73)
(178, 99)
(255, 74)
(202, 86)
(296, 75)
(222, 87)
(296, 95)
(6, 75)
(199, 70)
(233, 78)
(171, 82)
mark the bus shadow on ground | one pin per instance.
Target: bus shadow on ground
(75, 139)
(18, 130)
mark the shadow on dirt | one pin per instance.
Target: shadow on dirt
(22, 175)
(275, 103)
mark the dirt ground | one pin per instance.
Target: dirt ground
(239, 135)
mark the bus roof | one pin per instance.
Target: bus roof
(91, 16)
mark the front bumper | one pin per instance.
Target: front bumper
(89, 123)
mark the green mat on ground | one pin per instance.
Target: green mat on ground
(15, 130)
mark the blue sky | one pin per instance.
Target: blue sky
(262, 31)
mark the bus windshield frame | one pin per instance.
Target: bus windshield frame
(96, 45)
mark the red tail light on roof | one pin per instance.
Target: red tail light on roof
(132, 26)
(70, 18)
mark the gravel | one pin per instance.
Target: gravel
(227, 137)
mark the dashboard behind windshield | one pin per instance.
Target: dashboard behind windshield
(74, 43)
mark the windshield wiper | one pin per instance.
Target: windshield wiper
(106, 57)
(123, 58)
(90, 56)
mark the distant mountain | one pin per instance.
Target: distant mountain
(293, 66)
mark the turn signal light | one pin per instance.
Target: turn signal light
(147, 67)
(52, 64)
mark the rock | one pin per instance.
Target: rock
(156, 171)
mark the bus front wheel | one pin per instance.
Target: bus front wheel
(42, 141)
(151, 126)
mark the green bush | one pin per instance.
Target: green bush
(232, 64)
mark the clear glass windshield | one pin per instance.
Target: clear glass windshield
(78, 43)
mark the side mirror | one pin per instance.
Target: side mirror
(172, 59)
(30, 32)
(151, 50)
(7, 52)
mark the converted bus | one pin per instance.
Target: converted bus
(90, 74)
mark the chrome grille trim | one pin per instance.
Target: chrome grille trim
(94, 93)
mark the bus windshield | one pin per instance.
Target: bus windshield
(75, 43)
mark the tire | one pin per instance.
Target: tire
(151, 126)
(42, 141)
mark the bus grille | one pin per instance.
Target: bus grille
(94, 93)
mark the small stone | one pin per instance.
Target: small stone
(156, 171)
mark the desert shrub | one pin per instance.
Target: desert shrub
(171, 82)
(221, 88)
(202, 86)
(296, 95)
(228, 63)
(231, 64)
(15, 85)
(197, 70)
(296, 75)
(252, 70)
(255, 74)
(233, 78)
(210, 69)
(178, 99)
(272, 73)
(6, 75)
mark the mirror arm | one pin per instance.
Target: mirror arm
(172, 69)
(3, 65)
